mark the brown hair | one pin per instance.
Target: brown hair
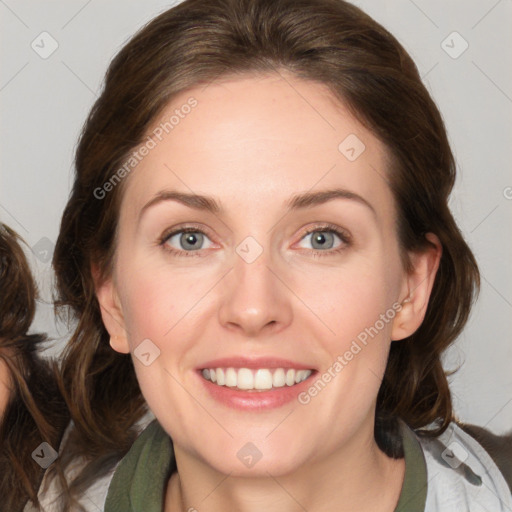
(328, 41)
(36, 411)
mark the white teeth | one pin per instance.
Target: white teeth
(278, 379)
(300, 376)
(260, 379)
(245, 379)
(231, 377)
(263, 379)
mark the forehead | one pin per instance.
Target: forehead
(256, 140)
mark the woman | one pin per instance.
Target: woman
(32, 412)
(258, 245)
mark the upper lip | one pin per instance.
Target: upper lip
(253, 362)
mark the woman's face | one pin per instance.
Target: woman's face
(248, 287)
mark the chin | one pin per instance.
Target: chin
(248, 459)
(262, 468)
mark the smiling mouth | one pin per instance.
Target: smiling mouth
(260, 379)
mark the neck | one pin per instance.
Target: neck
(359, 478)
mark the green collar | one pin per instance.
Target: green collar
(414, 489)
(140, 481)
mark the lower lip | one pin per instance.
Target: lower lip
(255, 400)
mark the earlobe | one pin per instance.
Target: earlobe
(120, 344)
(111, 312)
(417, 288)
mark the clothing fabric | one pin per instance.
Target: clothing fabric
(93, 500)
(450, 473)
(140, 481)
(462, 476)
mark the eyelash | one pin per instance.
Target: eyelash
(325, 228)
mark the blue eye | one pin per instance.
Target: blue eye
(323, 239)
(187, 239)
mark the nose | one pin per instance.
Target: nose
(255, 299)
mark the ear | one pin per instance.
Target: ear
(111, 312)
(417, 289)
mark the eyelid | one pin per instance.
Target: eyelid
(168, 233)
(344, 235)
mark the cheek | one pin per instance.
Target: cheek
(156, 298)
(351, 298)
(149, 303)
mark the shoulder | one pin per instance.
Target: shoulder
(460, 472)
(93, 499)
(499, 447)
(51, 491)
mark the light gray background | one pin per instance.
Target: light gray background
(45, 101)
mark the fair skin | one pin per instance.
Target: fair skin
(253, 143)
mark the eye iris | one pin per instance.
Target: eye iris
(320, 238)
(194, 239)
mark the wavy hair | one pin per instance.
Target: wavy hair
(36, 411)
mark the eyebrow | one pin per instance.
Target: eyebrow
(296, 202)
